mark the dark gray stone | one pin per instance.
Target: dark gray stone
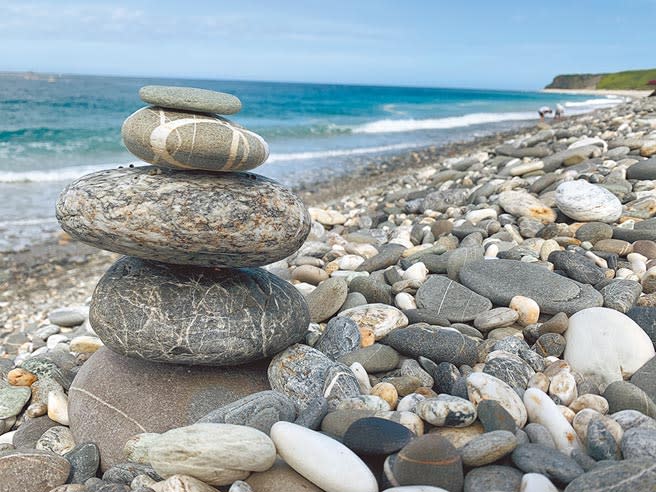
(178, 139)
(193, 315)
(192, 218)
(451, 299)
(84, 459)
(340, 337)
(642, 170)
(31, 471)
(372, 290)
(126, 472)
(536, 362)
(494, 417)
(493, 477)
(501, 280)
(313, 414)
(460, 257)
(67, 316)
(623, 395)
(639, 443)
(340, 384)
(536, 458)
(444, 374)
(190, 99)
(30, 431)
(600, 443)
(645, 378)
(577, 267)
(621, 294)
(376, 436)
(646, 319)
(512, 372)
(374, 358)
(550, 344)
(511, 344)
(388, 255)
(439, 201)
(593, 232)
(625, 476)
(425, 316)
(115, 397)
(259, 410)
(539, 434)
(299, 373)
(437, 344)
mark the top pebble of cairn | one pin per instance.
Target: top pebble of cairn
(190, 99)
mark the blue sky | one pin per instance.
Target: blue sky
(489, 44)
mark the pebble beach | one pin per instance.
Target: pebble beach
(471, 317)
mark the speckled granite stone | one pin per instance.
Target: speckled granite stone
(194, 218)
(190, 315)
(190, 99)
(183, 140)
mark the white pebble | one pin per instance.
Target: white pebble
(58, 407)
(417, 272)
(563, 385)
(405, 301)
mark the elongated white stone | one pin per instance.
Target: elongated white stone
(542, 410)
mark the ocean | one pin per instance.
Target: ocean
(56, 128)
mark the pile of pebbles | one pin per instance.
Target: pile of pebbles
(484, 323)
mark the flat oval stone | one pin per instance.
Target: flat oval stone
(332, 466)
(481, 386)
(429, 460)
(536, 458)
(178, 139)
(191, 218)
(587, 202)
(450, 299)
(447, 410)
(488, 448)
(217, 454)
(32, 471)
(260, 410)
(625, 476)
(190, 99)
(192, 315)
(501, 280)
(374, 435)
(114, 397)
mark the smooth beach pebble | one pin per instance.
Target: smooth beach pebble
(226, 220)
(217, 454)
(32, 471)
(190, 99)
(587, 202)
(333, 467)
(527, 309)
(446, 410)
(374, 435)
(192, 315)
(482, 386)
(542, 410)
(380, 318)
(182, 140)
(488, 448)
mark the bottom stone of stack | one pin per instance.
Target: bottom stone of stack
(114, 397)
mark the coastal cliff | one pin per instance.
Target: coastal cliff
(627, 80)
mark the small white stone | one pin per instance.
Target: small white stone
(417, 272)
(305, 288)
(364, 402)
(58, 407)
(523, 204)
(495, 318)
(7, 437)
(326, 217)
(539, 381)
(606, 345)
(482, 386)
(57, 439)
(536, 482)
(475, 216)
(447, 410)
(361, 375)
(492, 251)
(563, 385)
(405, 301)
(333, 467)
(594, 402)
(53, 340)
(526, 308)
(85, 344)
(542, 410)
(380, 318)
(349, 262)
(409, 402)
(240, 486)
(587, 202)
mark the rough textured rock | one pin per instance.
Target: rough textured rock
(31, 471)
(172, 138)
(190, 99)
(192, 315)
(124, 396)
(536, 458)
(501, 280)
(434, 343)
(196, 218)
(451, 299)
(624, 476)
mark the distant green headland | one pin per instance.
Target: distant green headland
(630, 79)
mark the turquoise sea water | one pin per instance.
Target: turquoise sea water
(54, 129)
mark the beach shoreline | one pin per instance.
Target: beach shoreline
(634, 94)
(60, 271)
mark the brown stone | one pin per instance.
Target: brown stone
(645, 247)
(20, 377)
(617, 246)
(32, 471)
(280, 477)
(114, 397)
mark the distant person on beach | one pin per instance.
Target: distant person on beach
(544, 110)
(560, 111)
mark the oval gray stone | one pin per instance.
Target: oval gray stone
(493, 477)
(178, 139)
(639, 443)
(436, 344)
(190, 99)
(501, 280)
(259, 410)
(114, 398)
(488, 448)
(625, 476)
(536, 458)
(192, 315)
(227, 220)
(450, 299)
(32, 471)
(340, 337)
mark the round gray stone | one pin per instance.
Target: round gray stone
(600, 443)
(494, 417)
(84, 460)
(639, 443)
(340, 337)
(374, 358)
(539, 434)
(190, 99)
(260, 410)
(199, 218)
(493, 477)
(32, 471)
(622, 395)
(114, 398)
(178, 139)
(642, 170)
(450, 299)
(536, 458)
(501, 280)
(515, 373)
(624, 476)
(488, 448)
(577, 267)
(192, 315)
(436, 344)
(327, 299)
